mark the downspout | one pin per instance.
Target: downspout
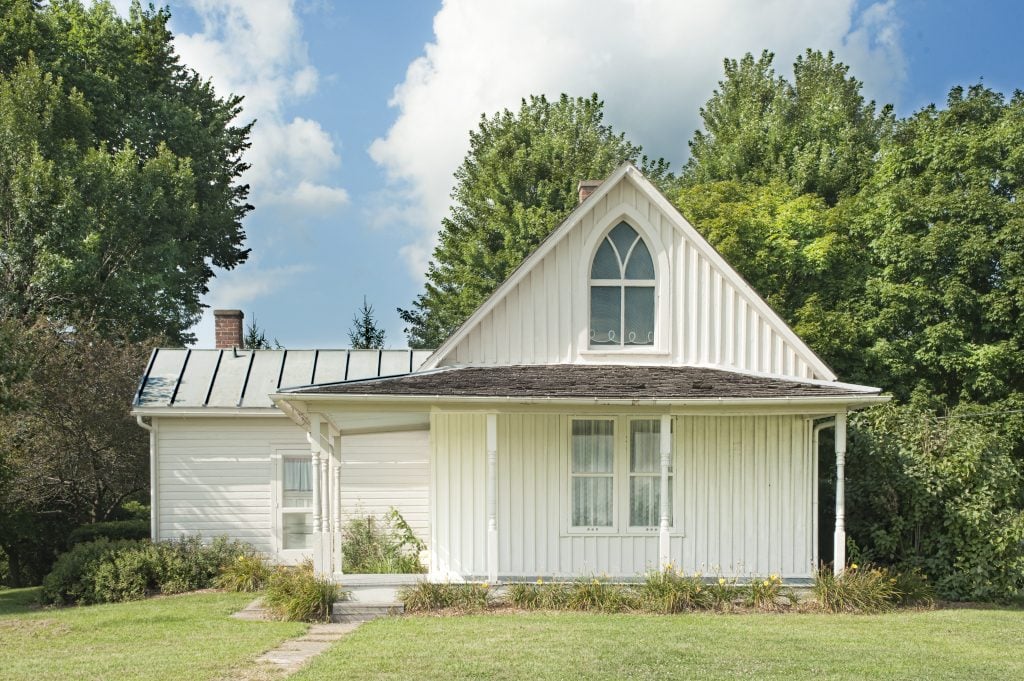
(818, 427)
(151, 428)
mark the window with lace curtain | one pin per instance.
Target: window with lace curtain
(622, 291)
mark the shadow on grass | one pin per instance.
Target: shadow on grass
(19, 601)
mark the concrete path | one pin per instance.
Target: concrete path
(294, 653)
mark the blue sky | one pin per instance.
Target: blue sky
(363, 110)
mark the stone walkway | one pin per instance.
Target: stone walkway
(294, 653)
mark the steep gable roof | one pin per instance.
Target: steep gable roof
(768, 334)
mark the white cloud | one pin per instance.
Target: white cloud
(654, 62)
(255, 48)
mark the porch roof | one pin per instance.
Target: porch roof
(568, 381)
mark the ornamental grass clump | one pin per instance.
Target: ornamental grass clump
(599, 595)
(426, 596)
(722, 593)
(246, 573)
(763, 594)
(667, 591)
(296, 594)
(913, 589)
(857, 590)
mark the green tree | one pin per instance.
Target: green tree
(517, 182)
(255, 338)
(944, 302)
(119, 172)
(365, 334)
(797, 252)
(817, 133)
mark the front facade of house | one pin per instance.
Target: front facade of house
(623, 401)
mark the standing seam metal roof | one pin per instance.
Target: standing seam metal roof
(181, 377)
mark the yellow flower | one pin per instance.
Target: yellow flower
(853, 566)
(773, 577)
(721, 581)
(766, 582)
(596, 581)
(697, 590)
(485, 585)
(540, 580)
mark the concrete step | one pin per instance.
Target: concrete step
(353, 611)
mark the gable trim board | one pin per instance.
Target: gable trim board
(628, 173)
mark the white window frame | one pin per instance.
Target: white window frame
(596, 529)
(278, 509)
(622, 284)
(648, 529)
(620, 481)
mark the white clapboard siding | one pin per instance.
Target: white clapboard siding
(214, 476)
(384, 470)
(743, 493)
(705, 313)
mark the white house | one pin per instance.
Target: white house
(624, 400)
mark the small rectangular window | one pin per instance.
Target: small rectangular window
(593, 473)
(645, 473)
(296, 502)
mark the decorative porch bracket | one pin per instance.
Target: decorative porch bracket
(664, 540)
(839, 545)
(492, 498)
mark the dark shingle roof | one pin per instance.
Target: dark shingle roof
(588, 381)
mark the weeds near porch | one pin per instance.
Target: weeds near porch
(426, 596)
(296, 594)
(247, 573)
(386, 545)
(858, 589)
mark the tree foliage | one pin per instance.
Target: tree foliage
(365, 334)
(118, 172)
(817, 134)
(516, 183)
(71, 454)
(941, 495)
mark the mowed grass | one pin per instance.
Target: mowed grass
(190, 636)
(941, 644)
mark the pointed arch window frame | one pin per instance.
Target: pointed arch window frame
(624, 283)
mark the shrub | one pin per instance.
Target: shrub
(296, 594)
(112, 530)
(109, 571)
(763, 593)
(72, 579)
(666, 591)
(381, 546)
(858, 589)
(941, 495)
(424, 596)
(247, 572)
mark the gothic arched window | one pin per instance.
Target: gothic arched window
(622, 290)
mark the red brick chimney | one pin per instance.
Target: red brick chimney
(587, 187)
(228, 324)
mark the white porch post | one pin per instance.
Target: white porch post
(492, 498)
(314, 453)
(336, 501)
(839, 546)
(664, 541)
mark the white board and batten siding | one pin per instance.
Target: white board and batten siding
(706, 314)
(743, 490)
(216, 476)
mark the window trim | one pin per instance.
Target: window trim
(620, 481)
(278, 509)
(622, 283)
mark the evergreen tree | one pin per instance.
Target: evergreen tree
(517, 182)
(365, 334)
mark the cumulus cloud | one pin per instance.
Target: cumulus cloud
(654, 62)
(255, 48)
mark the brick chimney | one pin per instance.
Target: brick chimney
(587, 187)
(228, 324)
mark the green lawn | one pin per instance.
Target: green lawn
(943, 644)
(176, 637)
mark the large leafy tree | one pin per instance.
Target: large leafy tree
(944, 302)
(517, 182)
(119, 171)
(816, 133)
